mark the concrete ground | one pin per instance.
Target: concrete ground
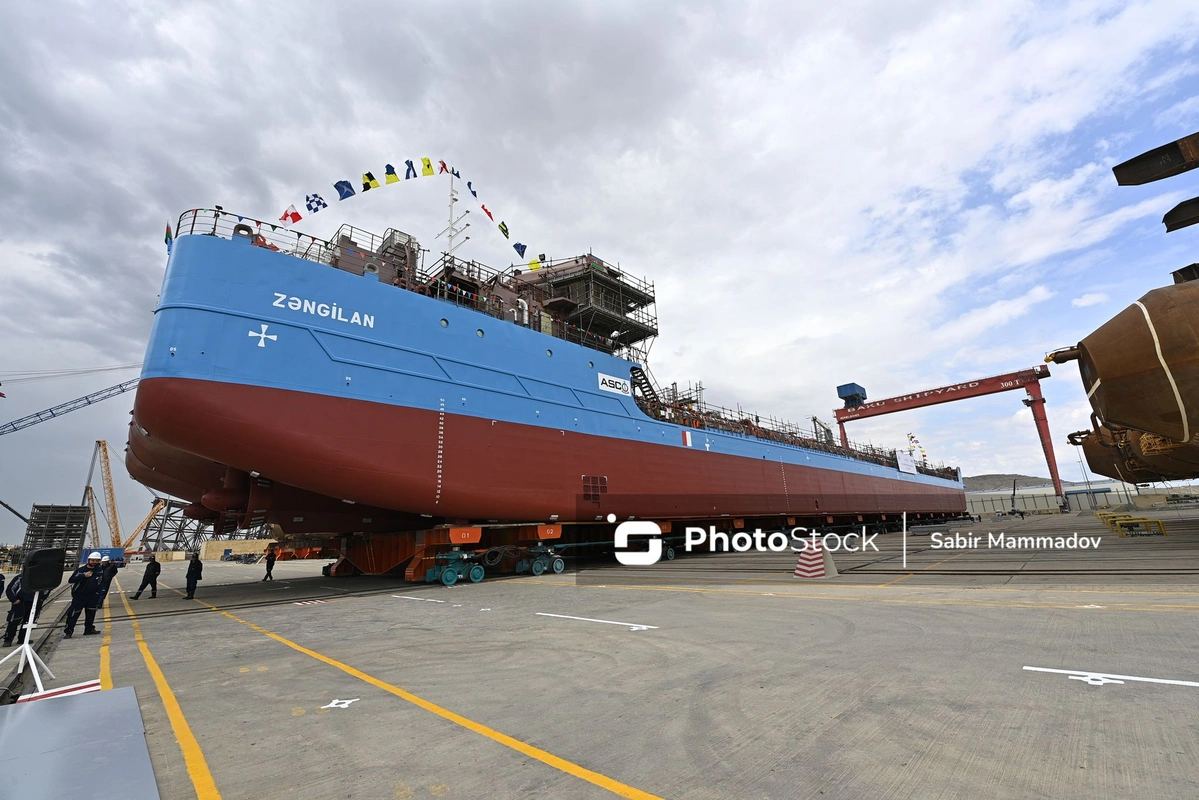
(712, 677)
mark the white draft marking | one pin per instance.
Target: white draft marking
(422, 599)
(341, 703)
(263, 336)
(1157, 345)
(633, 626)
(1101, 678)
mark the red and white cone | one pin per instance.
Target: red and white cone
(815, 562)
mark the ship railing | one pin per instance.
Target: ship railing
(591, 263)
(268, 235)
(704, 416)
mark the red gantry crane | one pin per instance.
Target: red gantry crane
(1029, 380)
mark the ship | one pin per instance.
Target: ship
(341, 386)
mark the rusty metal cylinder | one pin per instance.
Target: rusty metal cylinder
(1141, 368)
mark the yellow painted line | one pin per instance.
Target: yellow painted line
(913, 574)
(939, 563)
(105, 663)
(193, 756)
(545, 757)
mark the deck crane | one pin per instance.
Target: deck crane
(1029, 380)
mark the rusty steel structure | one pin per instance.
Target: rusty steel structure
(1028, 379)
(1140, 369)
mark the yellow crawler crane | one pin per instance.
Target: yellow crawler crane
(100, 454)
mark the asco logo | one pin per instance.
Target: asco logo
(638, 558)
(615, 385)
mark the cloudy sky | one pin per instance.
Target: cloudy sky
(901, 194)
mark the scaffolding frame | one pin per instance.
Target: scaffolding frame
(57, 527)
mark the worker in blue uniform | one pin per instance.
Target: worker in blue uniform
(109, 569)
(195, 572)
(149, 578)
(85, 595)
(21, 604)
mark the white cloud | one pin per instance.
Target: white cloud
(1089, 299)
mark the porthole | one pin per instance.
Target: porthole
(445, 323)
(479, 333)
(590, 365)
(549, 353)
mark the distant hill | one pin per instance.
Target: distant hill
(1002, 482)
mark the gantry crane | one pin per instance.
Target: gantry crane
(1029, 380)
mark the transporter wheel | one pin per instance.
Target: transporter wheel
(670, 554)
(557, 565)
(538, 566)
(476, 573)
(449, 576)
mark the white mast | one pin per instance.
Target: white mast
(452, 231)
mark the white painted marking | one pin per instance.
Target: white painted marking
(1157, 345)
(423, 599)
(1100, 678)
(633, 626)
(457, 605)
(341, 703)
(263, 336)
(1092, 606)
(1094, 388)
(484, 609)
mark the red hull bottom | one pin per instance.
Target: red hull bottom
(416, 465)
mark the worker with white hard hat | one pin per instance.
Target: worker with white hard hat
(85, 595)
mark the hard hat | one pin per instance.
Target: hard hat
(94, 557)
(106, 558)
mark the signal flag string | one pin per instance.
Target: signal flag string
(314, 203)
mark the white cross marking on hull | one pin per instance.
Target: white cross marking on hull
(263, 336)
